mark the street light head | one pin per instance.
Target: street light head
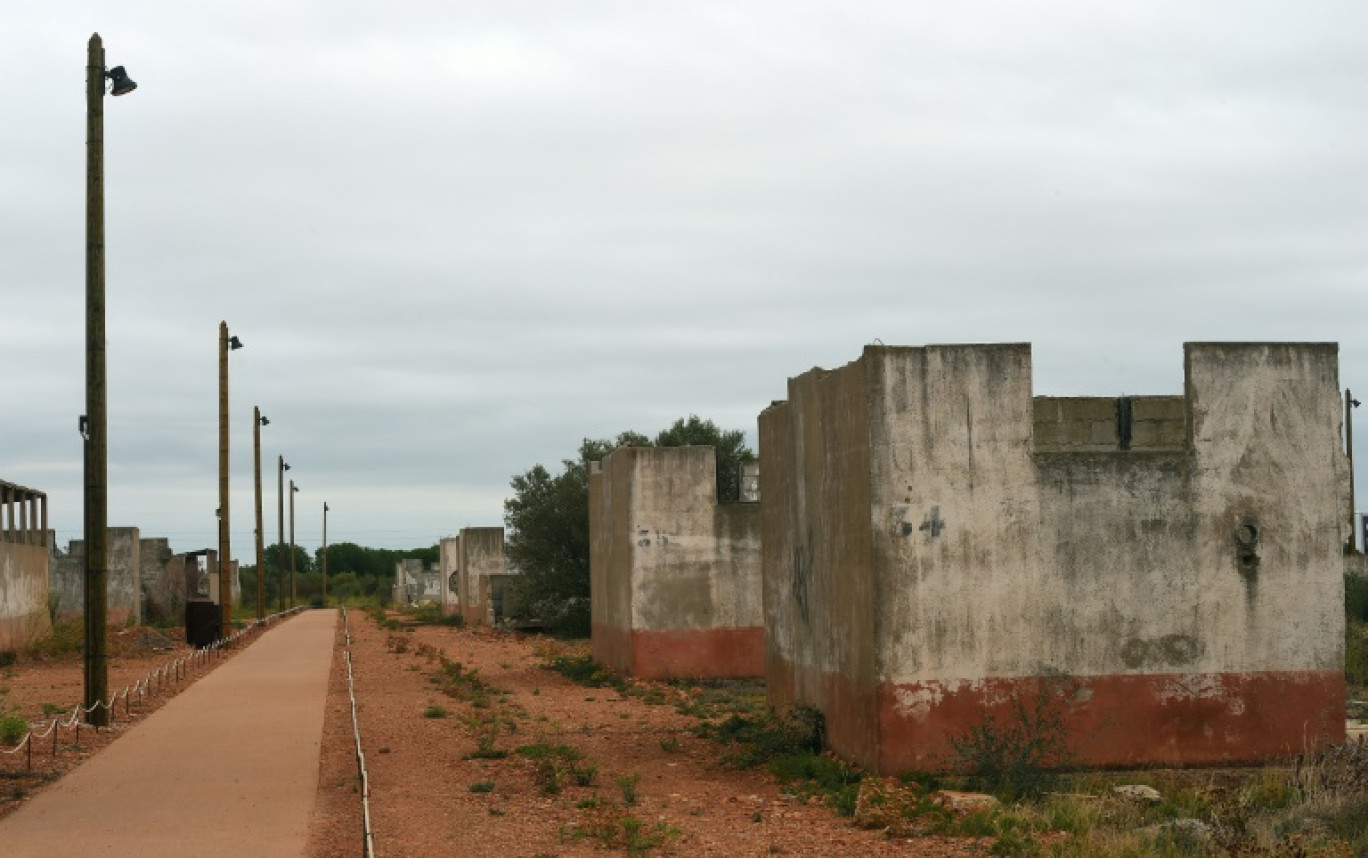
(265, 421)
(122, 84)
(234, 343)
(293, 487)
(285, 465)
(1355, 403)
(325, 507)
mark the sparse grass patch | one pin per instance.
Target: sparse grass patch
(555, 765)
(628, 785)
(67, 639)
(482, 787)
(466, 685)
(435, 711)
(614, 829)
(430, 614)
(583, 670)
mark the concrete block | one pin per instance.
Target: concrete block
(931, 558)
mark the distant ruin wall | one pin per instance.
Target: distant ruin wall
(23, 567)
(939, 545)
(480, 555)
(124, 577)
(675, 577)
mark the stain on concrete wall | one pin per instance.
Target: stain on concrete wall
(937, 542)
(675, 577)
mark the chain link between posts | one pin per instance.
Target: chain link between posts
(142, 686)
(356, 736)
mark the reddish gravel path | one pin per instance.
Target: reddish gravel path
(228, 766)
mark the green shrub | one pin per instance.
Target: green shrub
(12, 729)
(1356, 597)
(435, 711)
(628, 785)
(482, 786)
(1019, 756)
(1355, 653)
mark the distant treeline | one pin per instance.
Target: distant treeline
(353, 570)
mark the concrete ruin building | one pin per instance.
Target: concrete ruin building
(24, 568)
(124, 605)
(474, 575)
(1163, 572)
(147, 582)
(675, 585)
(415, 583)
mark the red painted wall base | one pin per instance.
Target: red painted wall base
(716, 653)
(1115, 721)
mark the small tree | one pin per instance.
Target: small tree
(548, 520)
(731, 449)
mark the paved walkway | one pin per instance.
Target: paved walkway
(228, 767)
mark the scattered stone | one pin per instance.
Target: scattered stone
(963, 802)
(1138, 792)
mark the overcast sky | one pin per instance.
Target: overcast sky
(458, 237)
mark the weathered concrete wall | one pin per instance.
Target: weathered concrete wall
(448, 550)
(23, 567)
(479, 555)
(929, 559)
(675, 577)
(124, 577)
(23, 595)
(162, 576)
(414, 584)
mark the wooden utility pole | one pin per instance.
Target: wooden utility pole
(260, 549)
(281, 468)
(293, 489)
(325, 553)
(1349, 404)
(225, 558)
(95, 661)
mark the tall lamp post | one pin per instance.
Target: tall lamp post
(258, 421)
(225, 558)
(293, 488)
(281, 468)
(325, 552)
(95, 663)
(1350, 403)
